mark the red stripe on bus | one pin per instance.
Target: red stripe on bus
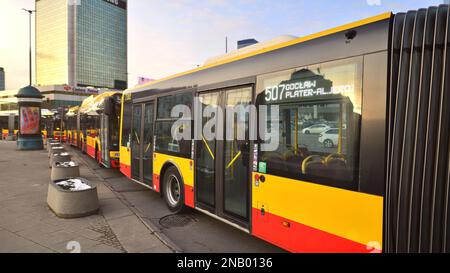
(115, 163)
(156, 182)
(90, 151)
(189, 196)
(296, 237)
(126, 170)
(99, 156)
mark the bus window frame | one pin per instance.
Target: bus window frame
(157, 119)
(300, 177)
(124, 140)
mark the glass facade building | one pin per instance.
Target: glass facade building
(2, 79)
(82, 43)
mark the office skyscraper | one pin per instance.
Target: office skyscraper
(2, 79)
(81, 43)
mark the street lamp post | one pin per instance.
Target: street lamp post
(30, 13)
(30, 104)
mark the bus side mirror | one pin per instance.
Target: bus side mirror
(109, 106)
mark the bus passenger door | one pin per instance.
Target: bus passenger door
(104, 140)
(147, 144)
(136, 138)
(236, 152)
(205, 159)
(222, 160)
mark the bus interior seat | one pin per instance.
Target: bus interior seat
(314, 165)
(337, 167)
(293, 160)
(274, 160)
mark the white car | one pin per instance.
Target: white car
(330, 138)
(316, 129)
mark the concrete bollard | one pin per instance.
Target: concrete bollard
(56, 149)
(65, 170)
(59, 157)
(52, 144)
(49, 141)
(68, 202)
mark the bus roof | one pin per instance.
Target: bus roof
(92, 103)
(300, 40)
(73, 111)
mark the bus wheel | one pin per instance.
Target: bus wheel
(173, 190)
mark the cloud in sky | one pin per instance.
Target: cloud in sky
(166, 37)
(374, 2)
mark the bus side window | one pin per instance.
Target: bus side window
(164, 124)
(126, 124)
(318, 122)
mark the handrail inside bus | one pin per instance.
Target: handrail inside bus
(208, 148)
(234, 160)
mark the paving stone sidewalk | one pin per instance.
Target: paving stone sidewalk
(28, 226)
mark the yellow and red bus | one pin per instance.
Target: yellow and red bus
(72, 125)
(5, 133)
(57, 128)
(99, 128)
(4, 125)
(83, 120)
(360, 127)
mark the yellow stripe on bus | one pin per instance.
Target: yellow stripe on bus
(125, 156)
(184, 165)
(351, 215)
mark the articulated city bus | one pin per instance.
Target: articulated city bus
(57, 128)
(72, 125)
(4, 125)
(361, 161)
(99, 128)
(83, 123)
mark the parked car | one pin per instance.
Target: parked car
(315, 129)
(330, 138)
(308, 123)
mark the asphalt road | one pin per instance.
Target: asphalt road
(191, 232)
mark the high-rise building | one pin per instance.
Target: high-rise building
(81, 43)
(2, 79)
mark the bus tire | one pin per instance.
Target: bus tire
(173, 190)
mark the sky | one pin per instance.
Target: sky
(170, 36)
